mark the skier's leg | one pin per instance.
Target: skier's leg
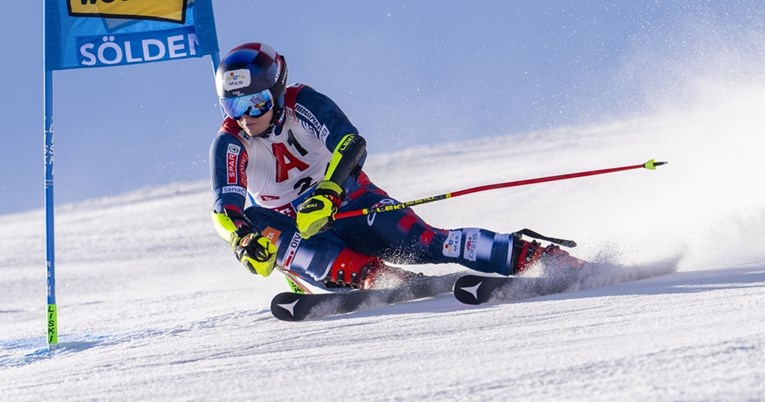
(401, 236)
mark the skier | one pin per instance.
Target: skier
(294, 154)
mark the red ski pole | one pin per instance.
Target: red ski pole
(651, 164)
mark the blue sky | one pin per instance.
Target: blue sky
(405, 72)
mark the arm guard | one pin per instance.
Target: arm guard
(226, 227)
(345, 159)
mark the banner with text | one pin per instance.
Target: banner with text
(102, 33)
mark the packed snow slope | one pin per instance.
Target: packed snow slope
(153, 306)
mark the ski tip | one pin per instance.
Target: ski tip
(466, 289)
(478, 289)
(652, 164)
(283, 306)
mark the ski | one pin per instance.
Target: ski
(289, 306)
(561, 271)
(476, 289)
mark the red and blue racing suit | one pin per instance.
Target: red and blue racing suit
(278, 171)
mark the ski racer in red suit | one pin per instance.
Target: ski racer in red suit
(294, 154)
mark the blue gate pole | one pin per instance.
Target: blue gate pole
(52, 335)
(215, 59)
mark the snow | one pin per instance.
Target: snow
(153, 305)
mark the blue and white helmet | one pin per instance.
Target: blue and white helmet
(250, 77)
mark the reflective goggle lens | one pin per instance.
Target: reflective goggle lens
(254, 105)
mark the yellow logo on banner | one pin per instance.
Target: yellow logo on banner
(166, 10)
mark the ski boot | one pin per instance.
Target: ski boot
(360, 271)
(526, 254)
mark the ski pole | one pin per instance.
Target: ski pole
(651, 165)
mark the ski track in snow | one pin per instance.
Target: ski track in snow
(153, 306)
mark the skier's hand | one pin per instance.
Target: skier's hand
(254, 251)
(315, 213)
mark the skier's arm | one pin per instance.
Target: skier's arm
(316, 212)
(346, 159)
(329, 124)
(228, 165)
(253, 250)
(343, 163)
(327, 121)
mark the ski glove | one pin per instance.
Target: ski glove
(315, 213)
(254, 251)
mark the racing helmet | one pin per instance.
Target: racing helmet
(251, 79)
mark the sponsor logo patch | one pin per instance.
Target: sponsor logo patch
(231, 166)
(271, 234)
(236, 79)
(383, 202)
(471, 244)
(235, 189)
(289, 256)
(243, 170)
(306, 114)
(452, 244)
(323, 133)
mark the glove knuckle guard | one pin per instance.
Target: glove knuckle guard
(311, 205)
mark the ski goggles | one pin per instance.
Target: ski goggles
(254, 105)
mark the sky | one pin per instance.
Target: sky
(406, 73)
